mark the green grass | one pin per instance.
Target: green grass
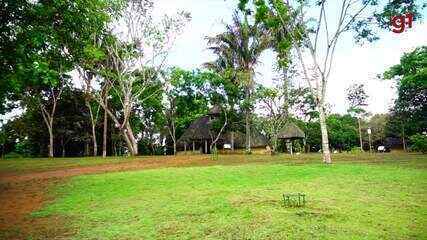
(345, 201)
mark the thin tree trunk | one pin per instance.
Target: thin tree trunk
(248, 131)
(324, 131)
(93, 125)
(403, 137)
(174, 147)
(360, 135)
(86, 148)
(248, 116)
(48, 117)
(63, 147)
(232, 141)
(50, 141)
(104, 135)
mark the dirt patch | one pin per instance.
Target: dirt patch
(18, 201)
(23, 193)
(178, 161)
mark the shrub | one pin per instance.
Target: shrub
(355, 150)
(419, 143)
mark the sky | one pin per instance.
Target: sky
(352, 64)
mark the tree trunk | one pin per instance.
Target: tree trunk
(324, 131)
(403, 138)
(360, 135)
(128, 141)
(232, 141)
(274, 144)
(104, 135)
(248, 132)
(86, 149)
(50, 141)
(93, 125)
(248, 117)
(63, 147)
(131, 141)
(174, 147)
(95, 144)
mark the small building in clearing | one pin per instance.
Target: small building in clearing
(199, 136)
(289, 133)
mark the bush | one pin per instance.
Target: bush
(355, 150)
(23, 148)
(419, 143)
(13, 155)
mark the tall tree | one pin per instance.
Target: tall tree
(273, 105)
(46, 40)
(238, 50)
(319, 38)
(410, 107)
(378, 124)
(138, 57)
(357, 99)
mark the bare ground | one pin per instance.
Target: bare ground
(23, 193)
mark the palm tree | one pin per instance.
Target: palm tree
(238, 50)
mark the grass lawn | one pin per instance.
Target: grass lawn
(22, 165)
(345, 201)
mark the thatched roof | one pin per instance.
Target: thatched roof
(257, 139)
(198, 130)
(291, 131)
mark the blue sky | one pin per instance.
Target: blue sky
(352, 63)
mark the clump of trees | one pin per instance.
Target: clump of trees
(133, 103)
(408, 114)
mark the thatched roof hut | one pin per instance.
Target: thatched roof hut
(291, 131)
(199, 134)
(257, 139)
(198, 130)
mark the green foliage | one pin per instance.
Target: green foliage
(23, 148)
(45, 39)
(378, 124)
(342, 131)
(190, 94)
(410, 107)
(419, 143)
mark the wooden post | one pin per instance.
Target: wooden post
(206, 147)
